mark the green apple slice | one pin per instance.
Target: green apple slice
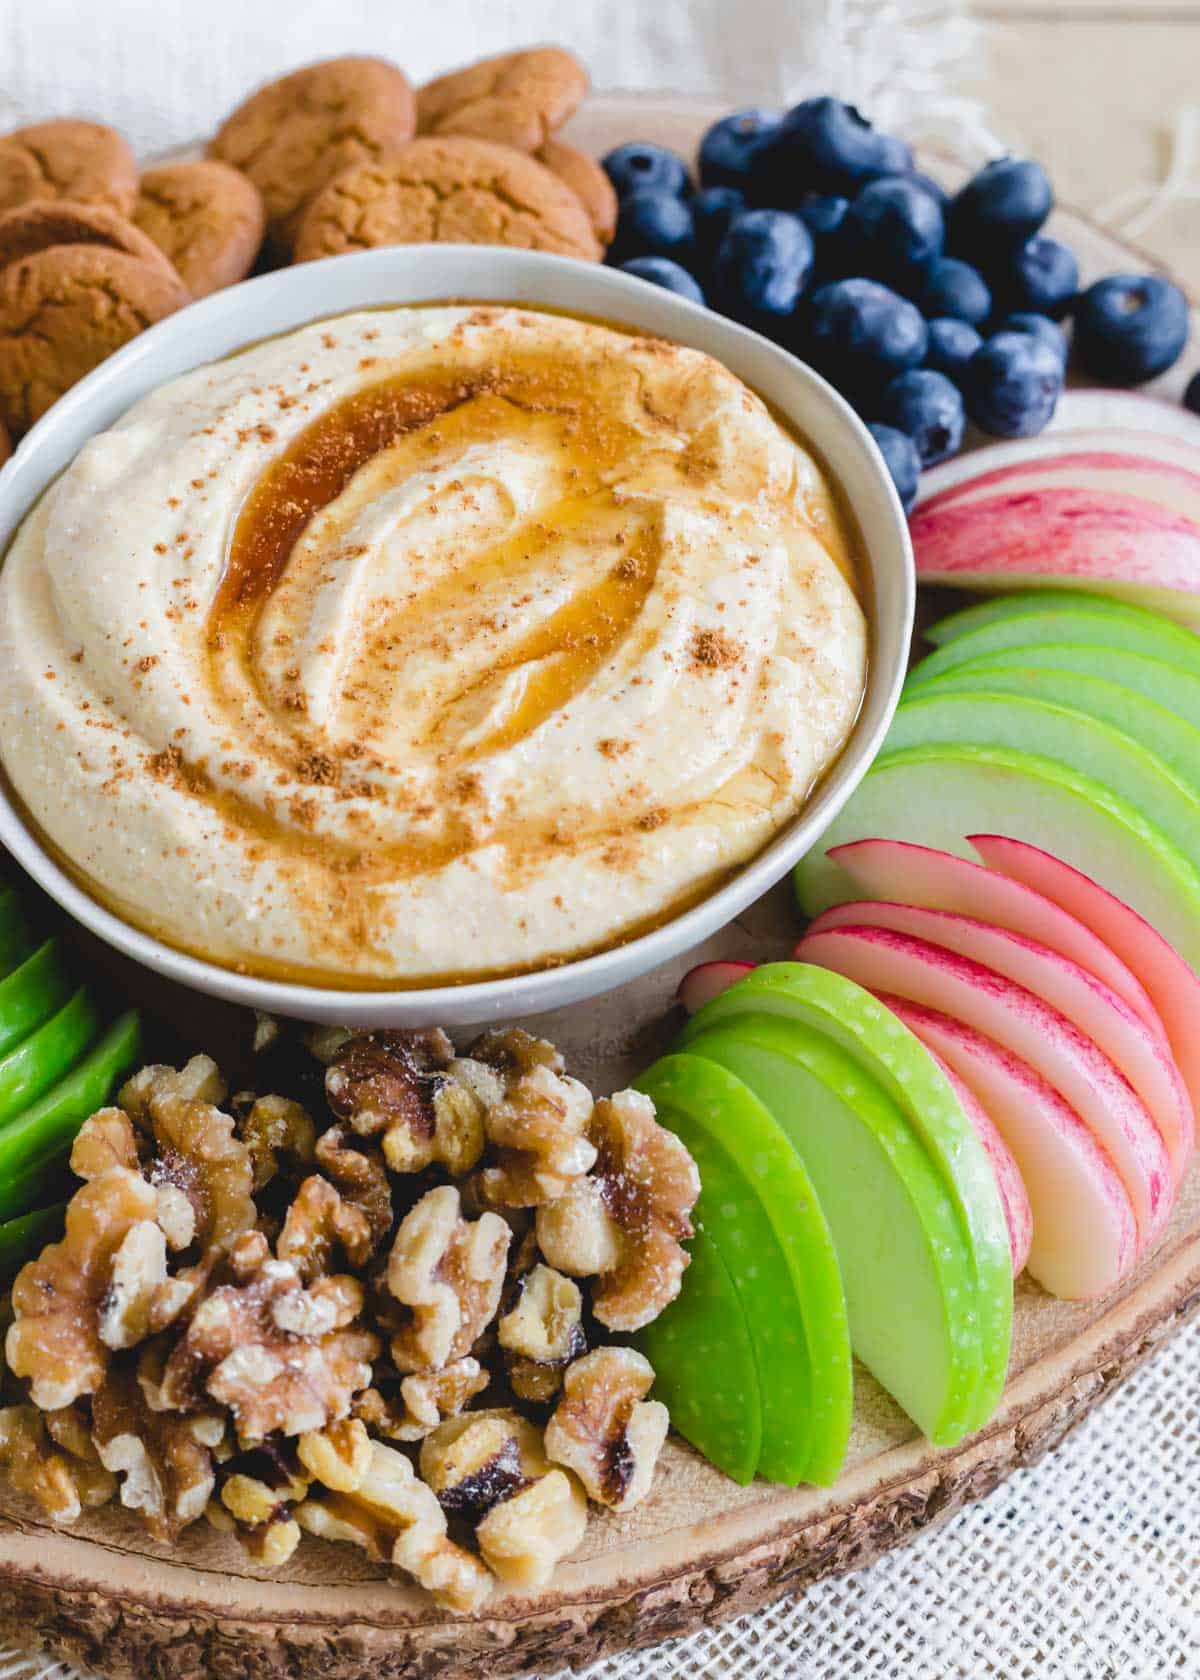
(905, 1270)
(1154, 679)
(35, 1144)
(1063, 733)
(705, 1371)
(845, 1014)
(42, 1058)
(937, 795)
(1161, 732)
(21, 1239)
(34, 991)
(760, 1208)
(1026, 621)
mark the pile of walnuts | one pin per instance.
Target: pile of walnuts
(286, 1329)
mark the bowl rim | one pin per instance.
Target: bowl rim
(522, 279)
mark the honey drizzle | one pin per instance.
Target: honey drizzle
(561, 653)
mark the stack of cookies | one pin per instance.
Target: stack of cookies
(332, 150)
(340, 156)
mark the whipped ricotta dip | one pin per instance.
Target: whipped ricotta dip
(427, 643)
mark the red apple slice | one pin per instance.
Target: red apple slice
(883, 961)
(1164, 473)
(1009, 1182)
(910, 874)
(1142, 1055)
(1125, 544)
(1119, 459)
(1084, 1230)
(1172, 986)
(708, 980)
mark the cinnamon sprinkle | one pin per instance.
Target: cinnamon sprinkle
(713, 650)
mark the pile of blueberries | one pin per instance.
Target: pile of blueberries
(924, 310)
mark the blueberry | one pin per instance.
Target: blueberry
(1037, 326)
(935, 189)
(713, 208)
(860, 335)
(640, 165)
(952, 343)
(901, 460)
(652, 223)
(1012, 385)
(895, 228)
(825, 146)
(661, 271)
(1002, 206)
(1041, 275)
(1130, 327)
(1191, 397)
(730, 148)
(823, 213)
(761, 269)
(930, 409)
(895, 157)
(954, 288)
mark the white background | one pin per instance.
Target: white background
(164, 70)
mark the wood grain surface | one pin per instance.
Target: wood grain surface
(107, 1598)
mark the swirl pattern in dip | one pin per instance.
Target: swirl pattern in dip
(427, 643)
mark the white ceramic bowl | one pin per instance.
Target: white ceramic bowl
(231, 319)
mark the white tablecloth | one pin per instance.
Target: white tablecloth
(164, 71)
(1087, 1568)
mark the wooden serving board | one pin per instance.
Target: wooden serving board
(107, 1598)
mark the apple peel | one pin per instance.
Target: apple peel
(1113, 510)
(906, 873)
(1171, 984)
(1161, 469)
(1009, 1182)
(1139, 1052)
(883, 961)
(1084, 1230)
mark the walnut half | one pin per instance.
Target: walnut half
(491, 1468)
(164, 1459)
(62, 1482)
(271, 1127)
(282, 1357)
(605, 1429)
(394, 1517)
(449, 1272)
(625, 1223)
(535, 1117)
(542, 1333)
(425, 1399)
(62, 1334)
(200, 1161)
(258, 1492)
(394, 1086)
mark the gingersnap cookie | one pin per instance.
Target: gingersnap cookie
(587, 181)
(294, 135)
(516, 98)
(44, 223)
(80, 161)
(452, 190)
(62, 311)
(206, 218)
